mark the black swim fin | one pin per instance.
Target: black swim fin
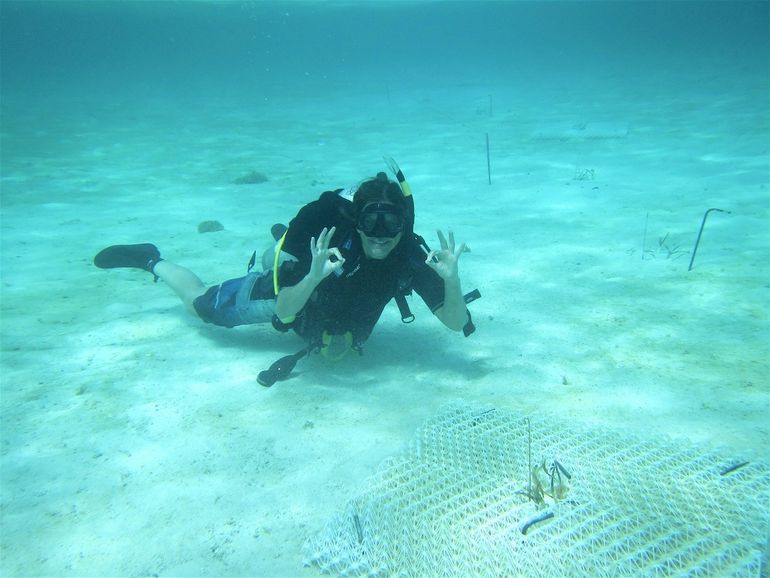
(141, 256)
(281, 369)
(278, 230)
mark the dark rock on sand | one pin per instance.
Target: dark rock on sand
(210, 227)
(252, 178)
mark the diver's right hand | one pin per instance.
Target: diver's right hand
(325, 260)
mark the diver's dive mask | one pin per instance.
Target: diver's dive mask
(380, 220)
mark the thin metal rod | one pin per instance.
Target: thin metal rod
(529, 459)
(700, 232)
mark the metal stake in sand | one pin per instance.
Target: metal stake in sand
(700, 232)
(489, 171)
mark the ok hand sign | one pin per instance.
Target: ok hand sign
(325, 260)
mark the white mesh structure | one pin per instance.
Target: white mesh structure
(456, 504)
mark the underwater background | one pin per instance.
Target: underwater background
(575, 146)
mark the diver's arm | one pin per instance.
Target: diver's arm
(291, 300)
(453, 312)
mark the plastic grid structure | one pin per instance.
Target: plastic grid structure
(456, 504)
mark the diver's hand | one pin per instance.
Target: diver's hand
(325, 260)
(444, 261)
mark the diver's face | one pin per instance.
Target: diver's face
(380, 226)
(378, 247)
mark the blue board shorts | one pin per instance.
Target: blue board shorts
(242, 301)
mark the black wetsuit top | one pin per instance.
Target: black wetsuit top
(353, 299)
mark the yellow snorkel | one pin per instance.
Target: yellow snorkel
(406, 190)
(393, 166)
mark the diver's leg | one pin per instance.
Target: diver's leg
(146, 256)
(183, 282)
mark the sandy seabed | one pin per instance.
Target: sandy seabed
(135, 439)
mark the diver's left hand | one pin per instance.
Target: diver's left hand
(444, 261)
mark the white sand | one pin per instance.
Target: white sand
(136, 440)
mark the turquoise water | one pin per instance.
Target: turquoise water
(135, 440)
(259, 49)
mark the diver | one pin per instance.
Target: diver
(339, 262)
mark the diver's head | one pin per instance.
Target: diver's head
(380, 189)
(380, 213)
